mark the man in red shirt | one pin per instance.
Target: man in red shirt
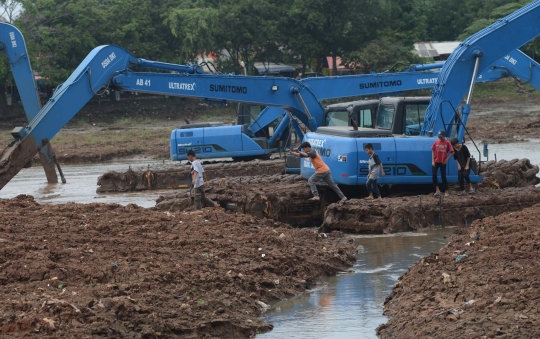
(439, 158)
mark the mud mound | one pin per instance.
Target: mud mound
(513, 173)
(280, 197)
(412, 213)
(508, 130)
(483, 284)
(101, 270)
(174, 176)
(286, 198)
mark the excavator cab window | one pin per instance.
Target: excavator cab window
(247, 113)
(385, 118)
(337, 118)
(414, 118)
(365, 118)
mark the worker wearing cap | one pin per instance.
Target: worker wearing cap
(441, 148)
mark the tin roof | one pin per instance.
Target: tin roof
(435, 48)
(270, 67)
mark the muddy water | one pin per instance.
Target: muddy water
(80, 187)
(350, 305)
(512, 151)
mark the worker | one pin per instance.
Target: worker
(440, 150)
(199, 182)
(462, 156)
(375, 166)
(322, 172)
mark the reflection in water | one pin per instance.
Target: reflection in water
(80, 187)
(350, 305)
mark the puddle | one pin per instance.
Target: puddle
(513, 151)
(350, 305)
(80, 187)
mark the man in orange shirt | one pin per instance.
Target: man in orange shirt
(322, 172)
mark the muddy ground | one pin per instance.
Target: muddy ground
(100, 270)
(135, 127)
(502, 121)
(483, 284)
(507, 186)
(174, 176)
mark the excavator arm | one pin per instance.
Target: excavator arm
(12, 44)
(110, 66)
(472, 57)
(336, 87)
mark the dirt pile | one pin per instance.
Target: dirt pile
(483, 284)
(101, 270)
(283, 198)
(513, 173)
(503, 121)
(177, 175)
(512, 130)
(412, 213)
(506, 187)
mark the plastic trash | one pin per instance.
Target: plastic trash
(446, 278)
(461, 256)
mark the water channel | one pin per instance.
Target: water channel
(350, 305)
(346, 306)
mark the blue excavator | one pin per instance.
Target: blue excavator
(242, 141)
(406, 157)
(112, 67)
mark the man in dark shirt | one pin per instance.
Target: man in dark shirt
(463, 159)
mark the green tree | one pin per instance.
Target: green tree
(332, 27)
(400, 24)
(63, 32)
(246, 30)
(493, 15)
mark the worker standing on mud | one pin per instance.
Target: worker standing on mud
(199, 181)
(463, 160)
(439, 158)
(321, 171)
(375, 166)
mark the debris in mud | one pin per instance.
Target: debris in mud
(280, 197)
(125, 271)
(510, 126)
(416, 212)
(493, 293)
(285, 198)
(513, 173)
(493, 197)
(174, 176)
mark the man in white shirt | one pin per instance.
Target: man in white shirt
(199, 181)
